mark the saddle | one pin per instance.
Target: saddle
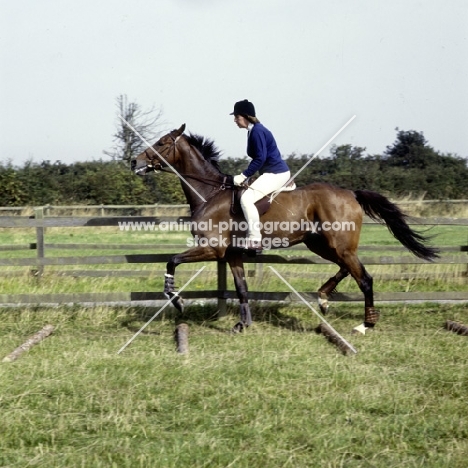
(263, 205)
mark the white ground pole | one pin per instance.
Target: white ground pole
(158, 155)
(274, 194)
(311, 308)
(160, 310)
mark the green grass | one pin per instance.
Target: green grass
(443, 235)
(302, 277)
(276, 396)
(371, 234)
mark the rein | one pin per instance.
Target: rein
(223, 186)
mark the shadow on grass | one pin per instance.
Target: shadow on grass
(300, 320)
(295, 317)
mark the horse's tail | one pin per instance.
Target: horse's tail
(380, 208)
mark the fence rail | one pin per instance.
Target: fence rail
(175, 210)
(109, 221)
(450, 255)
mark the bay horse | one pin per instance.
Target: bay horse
(309, 210)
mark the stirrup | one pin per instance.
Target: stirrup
(252, 244)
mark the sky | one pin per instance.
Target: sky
(309, 66)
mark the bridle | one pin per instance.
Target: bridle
(158, 167)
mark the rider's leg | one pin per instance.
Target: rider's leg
(252, 217)
(264, 185)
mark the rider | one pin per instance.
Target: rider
(266, 159)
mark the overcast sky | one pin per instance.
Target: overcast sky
(307, 65)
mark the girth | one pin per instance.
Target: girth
(263, 205)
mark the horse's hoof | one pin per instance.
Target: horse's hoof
(179, 304)
(176, 300)
(323, 303)
(324, 309)
(238, 328)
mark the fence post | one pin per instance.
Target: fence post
(222, 287)
(40, 248)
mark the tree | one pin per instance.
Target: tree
(410, 150)
(412, 166)
(127, 143)
(232, 165)
(12, 192)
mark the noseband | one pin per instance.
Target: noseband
(158, 166)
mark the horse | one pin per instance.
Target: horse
(304, 215)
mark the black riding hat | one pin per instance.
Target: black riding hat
(244, 107)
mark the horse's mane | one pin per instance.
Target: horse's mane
(206, 147)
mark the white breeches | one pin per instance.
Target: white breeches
(264, 185)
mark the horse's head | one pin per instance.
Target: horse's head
(162, 154)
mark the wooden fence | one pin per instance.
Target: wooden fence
(172, 210)
(450, 255)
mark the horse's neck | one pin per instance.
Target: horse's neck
(201, 179)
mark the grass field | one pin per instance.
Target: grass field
(303, 277)
(278, 395)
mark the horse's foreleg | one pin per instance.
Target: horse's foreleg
(326, 289)
(237, 267)
(196, 254)
(170, 291)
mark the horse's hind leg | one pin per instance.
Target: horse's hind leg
(349, 264)
(326, 289)
(237, 267)
(365, 283)
(319, 245)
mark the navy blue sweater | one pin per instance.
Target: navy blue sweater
(261, 147)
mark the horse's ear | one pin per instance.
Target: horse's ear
(181, 130)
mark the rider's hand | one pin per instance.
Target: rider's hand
(239, 179)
